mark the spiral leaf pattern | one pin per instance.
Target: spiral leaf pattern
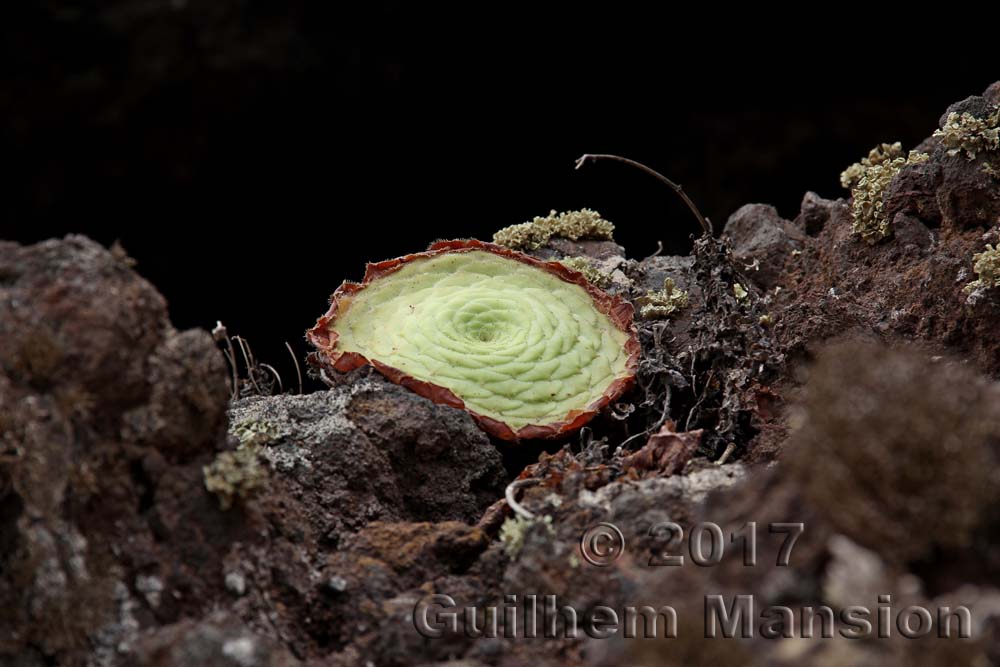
(528, 347)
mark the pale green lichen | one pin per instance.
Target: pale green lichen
(254, 432)
(572, 225)
(870, 220)
(740, 292)
(235, 474)
(970, 134)
(583, 265)
(664, 303)
(986, 264)
(877, 155)
(513, 530)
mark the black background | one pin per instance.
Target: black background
(251, 155)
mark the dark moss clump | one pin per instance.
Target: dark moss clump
(896, 450)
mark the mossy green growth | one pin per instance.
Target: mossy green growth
(583, 265)
(868, 184)
(664, 303)
(986, 264)
(514, 342)
(572, 225)
(970, 134)
(235, 474)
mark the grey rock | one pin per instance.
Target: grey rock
(762, 241)
(558, 247)
(371, 450)
(653, 270)
(236, 583)
(975, 105)
(337, 584)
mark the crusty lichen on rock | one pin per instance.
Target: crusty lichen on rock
(513, 531)
(572, 225)
(254, 432)
(986, 264)
(877, 155)
(593, 275)
(235, 474)
(970, 134)
(664, 303)
(869, 183)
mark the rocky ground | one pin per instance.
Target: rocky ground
(147, 519)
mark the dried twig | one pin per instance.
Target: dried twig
(295, 360)
(631, 438)
(220, 335)
(248, 359)
(702, 220)
(730, 448)
(701, 399)
(281, 385)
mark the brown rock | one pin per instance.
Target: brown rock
(814, 214)
(762, 241)
(886, 439)
(189, 395)
(74, 317)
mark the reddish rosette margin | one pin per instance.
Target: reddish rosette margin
(618, 310)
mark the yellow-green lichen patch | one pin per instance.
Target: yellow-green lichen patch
(877, 155)
(235, 474)
(986, 264)
(255, 433)
(516, 343)
(970, 134)
(664, 303)
(583, 265)
(867, 209)
(572, 225)
(513, 530)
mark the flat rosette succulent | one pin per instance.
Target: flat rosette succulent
(529, 348)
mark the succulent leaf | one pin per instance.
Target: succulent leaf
(530, 348)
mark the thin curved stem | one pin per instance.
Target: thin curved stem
(593, 157)
(512, 501)
(272, 371)
(298, 371)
